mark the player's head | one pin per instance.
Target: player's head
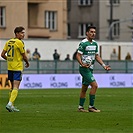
(90, 27)
(91, 32)
(19, 32)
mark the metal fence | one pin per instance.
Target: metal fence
(69, 67)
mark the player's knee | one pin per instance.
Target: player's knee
(95, 86)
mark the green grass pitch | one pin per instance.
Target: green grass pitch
(55, 111)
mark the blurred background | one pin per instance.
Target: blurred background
(60, 25)
(63, 20)
(68, 19)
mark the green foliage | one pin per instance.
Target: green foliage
(55, 111)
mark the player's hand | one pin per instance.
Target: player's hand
(86, 65)
(107, 67)
(27, 65)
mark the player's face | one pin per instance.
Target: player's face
(21, 35)
(91, 33)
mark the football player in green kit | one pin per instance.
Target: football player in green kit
(89, 47)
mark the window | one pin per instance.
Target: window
(51, 20)
(116, 29)
(68, 31)
(2, 16)
(116, 1)
(82, 29)
(68, 5)
(85, 2)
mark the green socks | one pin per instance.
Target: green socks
(92, 99)
(81, 101)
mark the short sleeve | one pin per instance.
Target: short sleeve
(21, 47)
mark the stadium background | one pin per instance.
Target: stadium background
(65, 74)
(64, 47)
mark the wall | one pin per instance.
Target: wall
(46, 47)
(16, 14)
(121, 11)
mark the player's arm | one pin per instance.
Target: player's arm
(78, 56)
(25, 59)
(100, 61)
(3, 54)
(22, 51)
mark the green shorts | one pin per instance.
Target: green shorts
(87, 75)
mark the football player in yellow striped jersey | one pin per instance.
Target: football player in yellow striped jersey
(14, 54)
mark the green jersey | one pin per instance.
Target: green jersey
(90, 49)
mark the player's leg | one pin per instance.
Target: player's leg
(10, 91)
(14, 93)
(10, 106)
(92, 93)
(10, 78)
(82, 98)
(83, 91)
(17, 76)
(16, 84)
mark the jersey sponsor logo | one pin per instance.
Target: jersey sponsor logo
(91, 53)
(10, 59)
(90, 48)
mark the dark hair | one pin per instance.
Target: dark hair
(89, 27)
(19, 29)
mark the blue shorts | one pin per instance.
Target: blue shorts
(14, 75)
